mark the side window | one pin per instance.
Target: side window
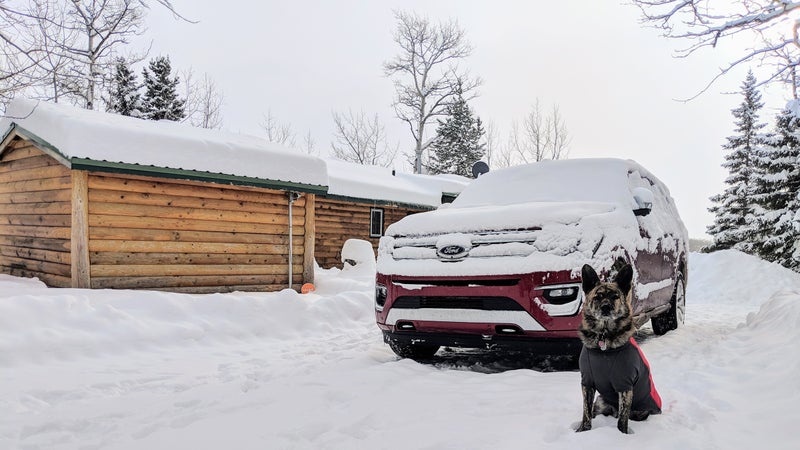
(375, 222)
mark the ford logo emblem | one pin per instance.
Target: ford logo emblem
(452, 252)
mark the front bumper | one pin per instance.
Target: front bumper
(543, 345)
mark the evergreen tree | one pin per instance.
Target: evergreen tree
(776, 189)
(124, 97)
(457, 146)
(161, 100)
(735, 219)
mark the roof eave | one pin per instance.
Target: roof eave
(377, 202)
(194, 175)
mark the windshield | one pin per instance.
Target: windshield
(584, 180)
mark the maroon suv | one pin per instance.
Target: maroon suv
(500, 266)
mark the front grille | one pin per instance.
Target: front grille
(479, 303)
(458, 282)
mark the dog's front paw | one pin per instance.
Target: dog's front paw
(623, 427)
(584, 426)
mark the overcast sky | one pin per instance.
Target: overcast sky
(614, 81)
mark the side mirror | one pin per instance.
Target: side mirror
(643, 198)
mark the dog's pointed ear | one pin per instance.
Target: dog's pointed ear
(624, 278)
(589, 278)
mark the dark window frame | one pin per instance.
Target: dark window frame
(372, 222)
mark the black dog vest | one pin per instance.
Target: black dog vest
(618, 370)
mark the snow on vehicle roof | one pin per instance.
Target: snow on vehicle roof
(591, 179)
(377, 183)
(80, 134)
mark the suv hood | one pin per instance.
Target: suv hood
(510, 239)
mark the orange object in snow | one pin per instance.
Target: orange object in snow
(308, 287)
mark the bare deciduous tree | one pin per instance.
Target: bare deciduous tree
(559, 135)
(426, 74)
(279, 133)
(203, 101)
(361, 140)
(543, 136)
(65, 48)
(770, 25)
(309, 145)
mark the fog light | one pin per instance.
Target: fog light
(560, 294)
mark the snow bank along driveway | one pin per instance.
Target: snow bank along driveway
(142, 370)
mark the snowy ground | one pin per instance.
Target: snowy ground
(141, 370)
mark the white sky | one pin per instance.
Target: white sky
(613, 80)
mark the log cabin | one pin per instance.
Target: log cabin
(96, 200)
(362, 201)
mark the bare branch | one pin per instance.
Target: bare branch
(770, 24)
(279, 133)
(361, 140)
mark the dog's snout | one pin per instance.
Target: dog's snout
(605, 308)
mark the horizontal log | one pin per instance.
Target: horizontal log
(20, 151)
(174, 212)
(139, 234)
(96, 220)
(41, 220)
(35, 208)
(60, 195)
(191, 247)
(226, 289)
(187, 188)
(148, 199)
(35, 254)
(343, 224)
(36, 266)
(27, 163)
(340, 205)
(60, 245)
(188, 281)
(37, 173)
(45, 184)
(37, 232)
(339, 216)
(122, 258)
(134, 270)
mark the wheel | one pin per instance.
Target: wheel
(413, 351)
(673, 318)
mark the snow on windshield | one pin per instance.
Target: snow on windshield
(597, 180)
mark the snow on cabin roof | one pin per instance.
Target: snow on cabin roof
(93, 140)
(447, 183)
(357, 181)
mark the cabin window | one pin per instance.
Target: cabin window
(375, 222)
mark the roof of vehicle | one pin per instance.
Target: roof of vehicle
(568, 180)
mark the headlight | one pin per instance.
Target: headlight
(380, 296)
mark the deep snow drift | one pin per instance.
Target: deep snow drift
(133, 370)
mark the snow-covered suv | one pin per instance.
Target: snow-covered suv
(500, 266)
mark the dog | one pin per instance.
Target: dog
(611, 363)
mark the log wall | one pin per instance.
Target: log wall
(338, 221)
(147, 233)
(35, 215)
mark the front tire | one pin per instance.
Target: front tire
(674, 317)
(413, 351)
